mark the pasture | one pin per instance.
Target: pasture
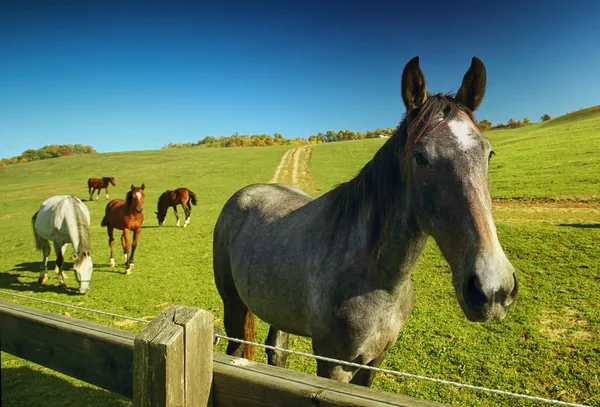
(545, 180)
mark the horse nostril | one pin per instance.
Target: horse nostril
(474, 296)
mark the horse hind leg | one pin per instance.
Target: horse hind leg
(111, 243)
(60, 261)
(235, 319)
(186, 208)
(106, 191)
(238, 320)
(278, 339)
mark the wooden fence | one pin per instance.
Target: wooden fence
(171, 363)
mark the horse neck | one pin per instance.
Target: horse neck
(80, 233)
(391, 241)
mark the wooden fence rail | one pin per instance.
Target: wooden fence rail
(171, 363)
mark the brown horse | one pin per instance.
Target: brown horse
(126, 215)
(98, 184)
(180, 196)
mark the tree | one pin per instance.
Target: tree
(331, 135)
(545, 117)
(485, 125)
(526, 121)
(520, 123)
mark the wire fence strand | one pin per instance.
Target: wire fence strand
(330, 360)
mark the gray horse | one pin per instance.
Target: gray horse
(338, 268)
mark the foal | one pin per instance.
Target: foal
(180, 196)
(98, 184)
(126, 215)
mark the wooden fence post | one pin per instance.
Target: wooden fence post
(172, 360)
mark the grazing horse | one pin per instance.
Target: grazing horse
(180, 196)
(126, 215)
(338, 268)
(99, 183)
(64, 219)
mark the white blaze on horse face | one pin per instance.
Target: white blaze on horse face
(139, 195)
(464, 132)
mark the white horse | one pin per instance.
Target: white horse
(64, 219)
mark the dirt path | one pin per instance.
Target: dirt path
(293, 169)
(281, 165)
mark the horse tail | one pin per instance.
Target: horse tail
(193, 196)
(104, 221)
(248, 335)
(39, 241)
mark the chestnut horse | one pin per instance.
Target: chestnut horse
(126, 215)
(98, 184)
(180, 196)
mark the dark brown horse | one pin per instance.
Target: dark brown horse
(126, 215)
(180, 196)
(98, 184)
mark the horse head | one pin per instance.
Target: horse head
(83, 267)
(446, 162)
(163, 206)
(135, 197)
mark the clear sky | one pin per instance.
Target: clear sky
(121, 75)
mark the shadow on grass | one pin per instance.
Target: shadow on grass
(582, 225)
(45, 389)
(33, 266)
(11, 281)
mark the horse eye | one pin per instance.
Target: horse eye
(421, 160)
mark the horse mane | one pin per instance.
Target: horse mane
(82, 228)
(375, 190)
(129, 197)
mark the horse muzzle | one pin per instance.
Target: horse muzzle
(480, 305)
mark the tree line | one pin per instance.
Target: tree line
(263, 140)
(485, 124)
(51, 151)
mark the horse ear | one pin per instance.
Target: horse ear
(156, 213)
(414, 86)
(143, 186)
(74, 256)
(132, 187)
(173, 194)
(472, 89)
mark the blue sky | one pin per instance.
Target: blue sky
(126, 75)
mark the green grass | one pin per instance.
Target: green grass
(547, 346)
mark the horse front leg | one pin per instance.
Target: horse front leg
(176, 214)
(46, 253)
(136, 235)
(91, 192)
(125, 244)
(334, 371)
(364, 377)
(279, 339)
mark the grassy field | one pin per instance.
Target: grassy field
(546, 182)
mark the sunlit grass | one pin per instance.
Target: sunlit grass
(547, 346)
